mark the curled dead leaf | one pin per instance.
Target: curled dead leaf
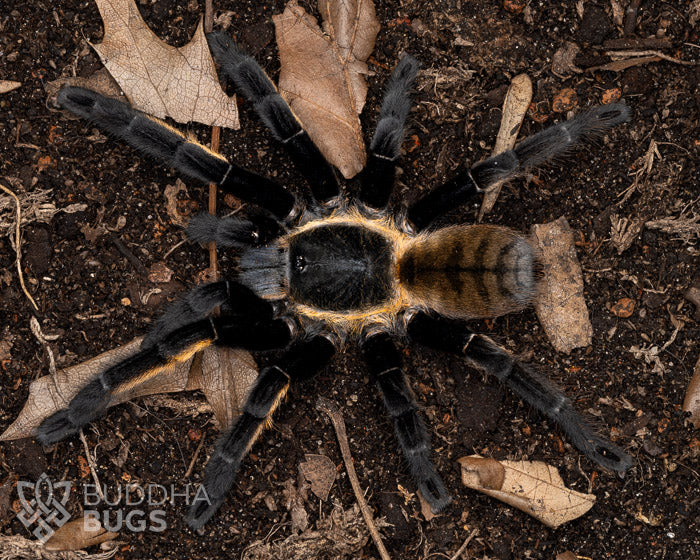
(623, 308)
(515, 107)
(322, 74)
(531, 486)
(560, 305)
(164, 81)
(320, 471)
(565, 100)
(563, 60)
(79, 534)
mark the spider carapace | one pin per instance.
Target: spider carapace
(319, 267)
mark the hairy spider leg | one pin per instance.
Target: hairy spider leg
(237, 301)
(485, 355)
(384, 362)
(251, 81)
(161, 141)
(178, 346)
(302, 361)
(535, 150)
(255, 230)
(378, 176)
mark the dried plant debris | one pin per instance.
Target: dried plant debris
(531, 486)
(35, 206)
(515, 106)
(101, 81)
(623, 231)
(8, 85)
(691, 402)
(560, 305)
(320, 472)
(563, 60)
(342, 535)
(224, 375)
(164, 81)
(78, 534)
(14, 547)
(322, 74)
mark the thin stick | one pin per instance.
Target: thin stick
(464, 545)
(629, 54)
(18, 246)
(339, 424)
(215, 136)
(91, 464)
(194, 457)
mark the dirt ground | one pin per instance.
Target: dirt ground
(92, 298)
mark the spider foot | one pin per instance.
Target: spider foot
(56, 427)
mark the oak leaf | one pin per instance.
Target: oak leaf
(224, 375)
(322, 74)
(531, 486)
(159, 79)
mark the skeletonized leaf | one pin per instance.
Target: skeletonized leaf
(560, 306)
(223, 375)
(78, 534)
(531, 486)
(322, 74)
(177, 82)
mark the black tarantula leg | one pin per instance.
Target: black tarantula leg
(237, 301)
(484, 354)
(384, 363)
(251, 81)
(378, 175)
(534, 150)
(161, 141)
(302, 361)
(177, 346)
(255, 230)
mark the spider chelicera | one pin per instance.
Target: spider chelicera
(313, 273)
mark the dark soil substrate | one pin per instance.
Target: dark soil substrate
(469, 52)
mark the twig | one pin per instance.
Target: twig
(133, 259)
(194, 457)
(631, 16)
(35, 327)
(91, 464)
(337, 419)
(464, 545)
(630, 54)
(215, 136)
(18, 246)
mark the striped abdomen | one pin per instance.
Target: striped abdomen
(469, 271)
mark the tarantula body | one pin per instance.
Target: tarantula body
(354, 272)
(318, 269)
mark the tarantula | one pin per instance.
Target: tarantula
(314, 272)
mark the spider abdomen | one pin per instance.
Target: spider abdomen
(470, 271)
(341, 267)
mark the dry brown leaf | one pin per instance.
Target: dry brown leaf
(563, 60)
(223, 375)
(531, 486)
(515, 106)
(177, 82)
(79, 534)
(322, 74)
(320, 471)
(101, 81)
(691, 402)
(8, 85)
(560, 306)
